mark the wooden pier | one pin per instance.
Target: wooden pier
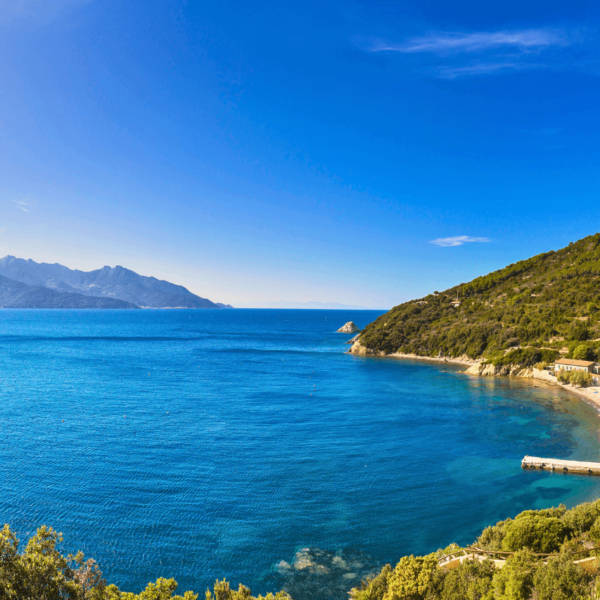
(561, 466)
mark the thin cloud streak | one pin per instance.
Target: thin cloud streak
(485, 69)
(457, 240)
(525, 40)
(22, 204)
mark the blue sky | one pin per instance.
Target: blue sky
(356, 152)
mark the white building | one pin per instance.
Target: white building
(570, 364)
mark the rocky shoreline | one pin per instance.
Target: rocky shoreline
(477, 368)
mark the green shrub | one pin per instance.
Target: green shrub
(411, 578)
(583, 518)
(472, 580)
(535, 532)
(526, 357)
(582, 352)
(515, 580)
(560, 579)
(579, 331)
(373, 588)
(563, 376)
(581, 378)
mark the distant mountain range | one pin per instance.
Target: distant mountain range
(27, 284)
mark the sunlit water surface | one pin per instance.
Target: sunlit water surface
(205, 444)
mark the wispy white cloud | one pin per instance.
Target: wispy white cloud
(524, 40)
(457, 240)
(453, 54)
(487, 68)
(24, 205)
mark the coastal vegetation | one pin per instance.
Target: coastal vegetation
(579, 378)
(41, 572)
(536, 558)
(539, 550)
(529, 312)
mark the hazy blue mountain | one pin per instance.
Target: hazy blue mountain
(108, 282)
(15, 294)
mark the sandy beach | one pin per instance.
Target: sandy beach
(590, 394)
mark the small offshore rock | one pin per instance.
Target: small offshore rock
(349, 327)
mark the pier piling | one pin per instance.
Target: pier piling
(561, 466)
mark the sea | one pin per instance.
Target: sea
(248, 445)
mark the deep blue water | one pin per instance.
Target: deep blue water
(205, 444)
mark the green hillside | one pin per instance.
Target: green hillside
(544, 304)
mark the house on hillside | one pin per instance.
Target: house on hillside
(570, 364)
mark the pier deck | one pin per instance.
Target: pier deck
(561, 466)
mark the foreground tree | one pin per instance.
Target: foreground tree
(41, 572)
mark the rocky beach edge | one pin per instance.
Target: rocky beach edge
(479, 368)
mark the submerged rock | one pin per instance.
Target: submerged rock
(283, 566)
(316, 573)
(349, 327)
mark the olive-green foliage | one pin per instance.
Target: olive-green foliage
(581, 518)
(493, 537)
(411, 578)
(163, 589)
(582, 352)
(41, 572)
(526, 357)
(472, 580)
(595, 532)
(222, 591)
(515, 580)
(375, 588)
(525, 304)
(580, 378)
(560, 579)
(537, 533)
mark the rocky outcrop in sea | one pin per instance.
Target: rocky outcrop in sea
(349, 327)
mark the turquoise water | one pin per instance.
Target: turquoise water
(205, 444)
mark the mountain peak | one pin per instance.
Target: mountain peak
(111, 282)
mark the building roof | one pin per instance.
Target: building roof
(574, 363)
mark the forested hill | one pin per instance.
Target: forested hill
(550, 301)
